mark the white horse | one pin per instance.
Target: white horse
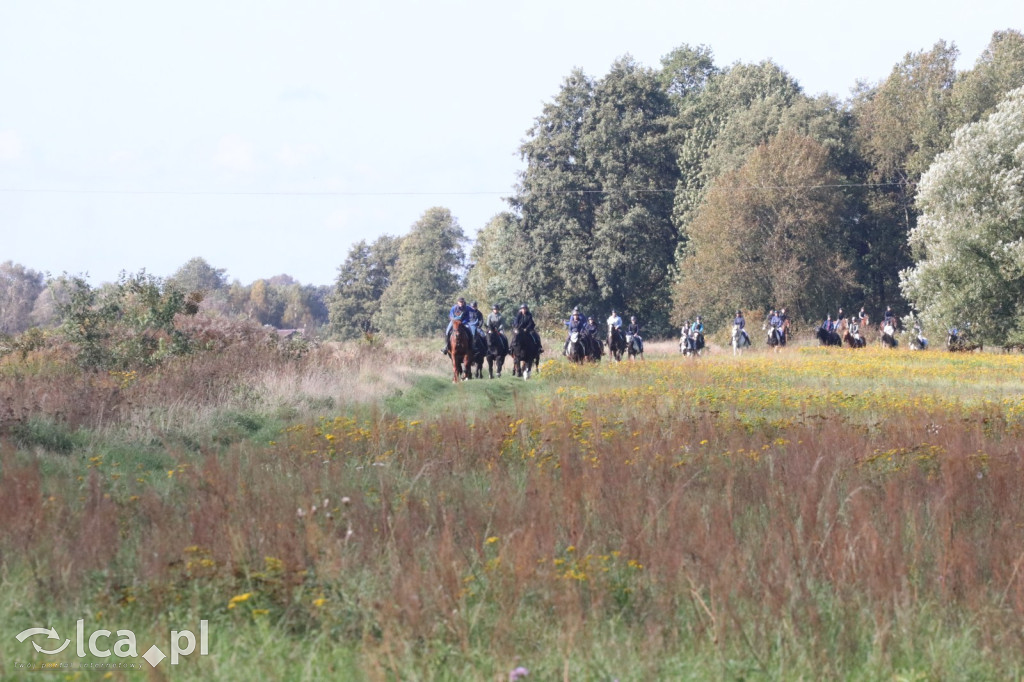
(740, 340)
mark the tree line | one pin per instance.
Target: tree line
(696, 188)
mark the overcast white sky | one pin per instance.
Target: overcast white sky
(268, 136)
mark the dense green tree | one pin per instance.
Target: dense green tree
(360, 284)
(198, 275)
(595, 199)
(968, 244)
(19, 289)
(686, 70)
(556, 199)
(496, 257)
(426, 278)
(999, 69)
(625, 143)
(900, 125)
(768, 235)
(737, 110)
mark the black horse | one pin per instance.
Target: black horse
(478, 355)
(828, 337)
(595, 349)
(616, 343)
(497, 349)
(887, 330)
(525, 353)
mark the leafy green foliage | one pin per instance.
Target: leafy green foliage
(767, 236)
(362, 280)
(426, 277)
(595, 199)
(198, 275)
(19, 289)
(127, 324)
(969, 241)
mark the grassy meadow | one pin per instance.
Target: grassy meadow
(349, 513)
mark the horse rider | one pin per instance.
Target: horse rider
(684, 334)
(783, 325)
(775, 323)
(496, 320)
(741, 322)
(524, 321)
(855, 326)
(633, 329)
(614, 321)
(575, 323)
(889, 317)
(698, 327)
(460, 312)
(697, 332)
(828, 326)
(476, 321)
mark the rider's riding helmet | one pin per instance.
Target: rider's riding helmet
(522, 307)
(494, 307)
(473, 304)
(461, 300)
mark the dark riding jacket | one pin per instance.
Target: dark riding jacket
(576, 325)
(524, 321)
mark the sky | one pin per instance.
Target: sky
(267, 137)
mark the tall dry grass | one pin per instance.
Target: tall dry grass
(821, 542)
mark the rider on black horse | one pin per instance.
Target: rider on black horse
(524, 321)
(496, 320)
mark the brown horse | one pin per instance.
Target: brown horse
(459, 347)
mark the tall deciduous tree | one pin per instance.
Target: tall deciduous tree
(426, 278)
(999, 69)
(361, 282)
(969, 241)
(768, 235)
(198, 275)
(900, 125)
(497, 256)
(595, 198)
(19, 289)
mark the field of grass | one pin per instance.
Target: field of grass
(352, 514)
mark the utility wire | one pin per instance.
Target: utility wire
(130, 192)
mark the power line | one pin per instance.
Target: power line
(144, 192)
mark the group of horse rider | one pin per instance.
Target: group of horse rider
(470, 316)
(587, 327)
(854, 324)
